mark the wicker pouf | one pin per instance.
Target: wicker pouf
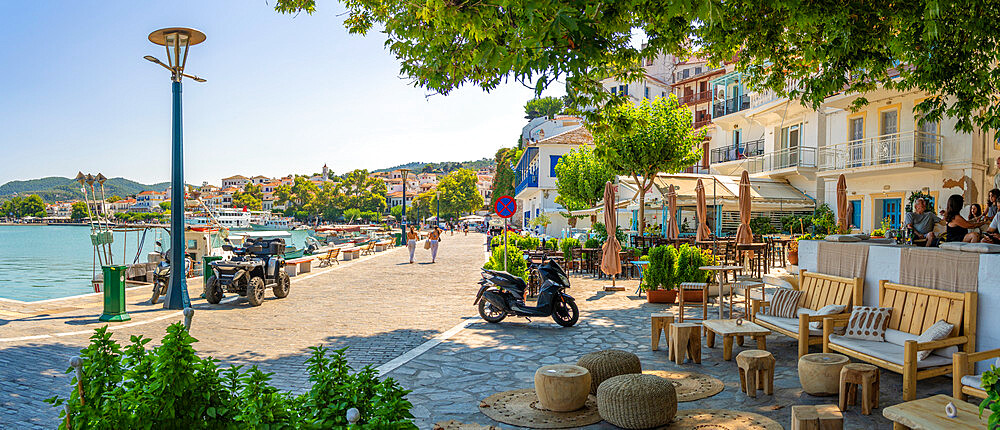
(637, 401)
(608, 363)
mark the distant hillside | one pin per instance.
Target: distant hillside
(443, 167)
(56, 188)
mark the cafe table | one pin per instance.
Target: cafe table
(721, 276)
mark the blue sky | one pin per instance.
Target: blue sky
(284, 95)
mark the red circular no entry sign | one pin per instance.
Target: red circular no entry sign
(505, 207)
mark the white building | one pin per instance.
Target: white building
(484, 183)
(396, 198)
(543, 127)
(148, 201)
(238, 181)
(535, 178)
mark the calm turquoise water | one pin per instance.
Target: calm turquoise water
(45, 262)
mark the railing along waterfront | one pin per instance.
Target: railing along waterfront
(782, 159)
(526, 172)
(744, 150)
(902, 147)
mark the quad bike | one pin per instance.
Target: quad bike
(256, 265)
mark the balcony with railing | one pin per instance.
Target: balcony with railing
(739, 152)
(787, 158)
(526, 172)
(695, 98)
(910, 148)
(731, 105)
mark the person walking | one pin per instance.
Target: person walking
(434, 238)
(411, 241)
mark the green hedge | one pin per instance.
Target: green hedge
(515, 260)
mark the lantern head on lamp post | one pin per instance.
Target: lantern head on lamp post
(176, 41)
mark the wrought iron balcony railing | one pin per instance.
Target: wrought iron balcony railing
(902, 147)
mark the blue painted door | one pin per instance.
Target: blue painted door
(890, 209)
(856, 213)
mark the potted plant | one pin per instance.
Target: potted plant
(661, 272)
(689, 259)
(793, 249)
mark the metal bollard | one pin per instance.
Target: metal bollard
(188, 313)
(77, 363)
(353, 415)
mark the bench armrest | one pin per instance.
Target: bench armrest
(937, 344)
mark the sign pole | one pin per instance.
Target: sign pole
(505, 244)
(505, 207)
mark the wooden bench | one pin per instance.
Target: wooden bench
(368, 248)
(351, 253)
(964, 382)
(329, 258)
(818, 290)
(914, 309)
(298, 265)
(383, 245)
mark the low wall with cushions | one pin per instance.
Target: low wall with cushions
(884, 263)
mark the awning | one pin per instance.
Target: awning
(622, 204)
(768, 194)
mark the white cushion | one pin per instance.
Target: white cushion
(842, 238)
(790, 324)
(862, 236)
(783, 281)
(974, 381)
(880, 241)
(825, 310)
(954, 246)
(886, 351)
(982, 248)
(937, 331)
(897, 337)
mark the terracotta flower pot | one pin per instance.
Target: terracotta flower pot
(692, 295)
(793, 258)
(661, 296)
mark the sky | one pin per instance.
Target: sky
(284, 95)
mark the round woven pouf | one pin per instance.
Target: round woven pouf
(637, 401)
(608, 363)
(819, 373)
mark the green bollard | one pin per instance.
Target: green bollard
(114, 294)
(207, 271)
(399, 239)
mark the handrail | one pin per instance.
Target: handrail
(695, 98)
(800, 156)
(902, 147)
(731, 153)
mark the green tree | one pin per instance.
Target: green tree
(250, 198)
(397, 211)
(948, 49)
(580, 179)
(422, 206)
(543, 107)
(79, 211)
(358, 190)
(503, 180)
(352, 214)
(458, 192)
(113, 199)
(164, 206)
(32, 206)
(640, 142)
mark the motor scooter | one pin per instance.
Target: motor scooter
(501, 294)
(161, 275)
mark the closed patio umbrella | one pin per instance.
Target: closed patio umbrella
(610, 263)
(672, 232)
(842, 221)
(744, 234)
(703, 232)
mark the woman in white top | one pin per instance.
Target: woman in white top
(411, 241)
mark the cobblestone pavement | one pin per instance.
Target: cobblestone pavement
(379, 307)
(450, 380)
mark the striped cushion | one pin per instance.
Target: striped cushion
(868, 323)
(784, 304)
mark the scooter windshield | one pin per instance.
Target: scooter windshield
(551, 270)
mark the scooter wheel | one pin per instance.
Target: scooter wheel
(156, 293)
(490, 313)
(565, 313)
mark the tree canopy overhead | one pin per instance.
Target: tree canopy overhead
(949, 49)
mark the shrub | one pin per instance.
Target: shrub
(602, 233)
(823, 220)
(761, 225)
(592, 243)
(795, 224)
(552, 244)
(566, 246)
(990, 384)
(170, 386)
(662, 269)
(515, 260)
(689, 259)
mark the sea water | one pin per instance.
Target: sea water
(40, 262)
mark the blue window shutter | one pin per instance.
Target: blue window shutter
(553, 160)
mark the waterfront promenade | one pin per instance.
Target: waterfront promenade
(378, 306)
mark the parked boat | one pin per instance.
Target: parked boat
(291, 251)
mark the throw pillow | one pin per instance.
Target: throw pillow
(937, 331)
(784, 303)
(842, 238)
(826, 310)
(954, 246)
(982, 248)
(868, 323)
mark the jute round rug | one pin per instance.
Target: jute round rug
(521, 408)
(690, 386)
(720, 419)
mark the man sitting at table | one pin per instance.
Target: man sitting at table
(991, 235)
(921, 222)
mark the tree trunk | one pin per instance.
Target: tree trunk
(642, 205)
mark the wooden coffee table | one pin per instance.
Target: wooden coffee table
(728, 329)
(928, 414)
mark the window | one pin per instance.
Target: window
(791, 136)
(645, 93)
(888, 144)
(614, 90)
(623, 89)
(687, 72)
(926, 141)
(553, 160)
(663, 94)
(855, 141)
(697, 70)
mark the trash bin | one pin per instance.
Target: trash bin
(206, 268)
(114, 294)
(399, 239)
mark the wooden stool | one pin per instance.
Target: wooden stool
(684, 338)
(562, 387)
(856, 375)
(756, 369)
(661, 323)
(817, 417)
(819, 374)
(692, 286)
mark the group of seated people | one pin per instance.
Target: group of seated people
(978, 227)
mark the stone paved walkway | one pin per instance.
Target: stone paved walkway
(379, 307)
(450, 380)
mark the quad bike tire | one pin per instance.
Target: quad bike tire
(255, 291)
(156, 293)
(491, 315)
(281, 285)
(565, 313)
(213, 291)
